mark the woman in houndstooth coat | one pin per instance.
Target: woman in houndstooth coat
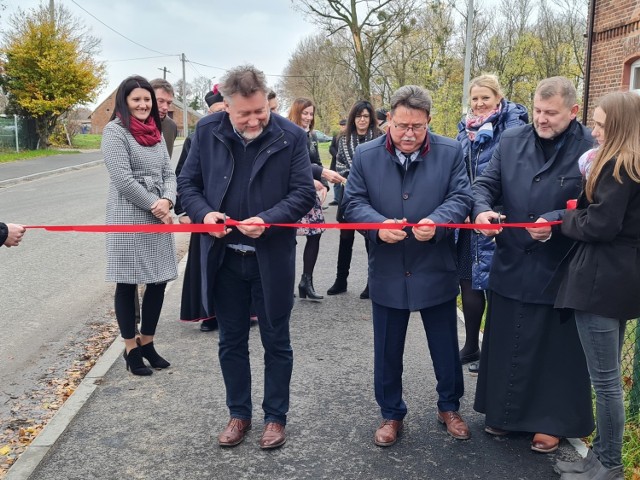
(142, 190)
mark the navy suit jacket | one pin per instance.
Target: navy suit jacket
(410, 274)
(280, 190)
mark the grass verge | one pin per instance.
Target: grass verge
(6, 156)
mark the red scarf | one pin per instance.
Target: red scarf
(147, 133)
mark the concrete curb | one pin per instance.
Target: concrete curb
(38, 449)
(36, 176)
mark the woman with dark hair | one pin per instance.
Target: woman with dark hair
(362, 126)
(142, 190)
(302, 114)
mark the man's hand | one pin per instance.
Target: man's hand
(426, 233)
(251, 231)
(16, 232)
(213, 218)
(184, 219)
(333, 177)
(540, 234)
(161, 208)
(392, 236)
(486, 218)
(321, 190)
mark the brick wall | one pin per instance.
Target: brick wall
(616, 44)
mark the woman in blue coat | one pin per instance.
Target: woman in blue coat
(479, 132)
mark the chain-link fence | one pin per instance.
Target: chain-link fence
(631, 370)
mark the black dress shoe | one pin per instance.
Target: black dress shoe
(365, 293)
(333, 203)
(470, 357)
(209, 325)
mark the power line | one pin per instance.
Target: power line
(123, 36)
(269, 74)
(139, 58)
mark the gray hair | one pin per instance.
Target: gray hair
(245, 80)
(162, 84)
(550, 87)
(412, 97)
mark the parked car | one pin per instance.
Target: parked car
(322, 137)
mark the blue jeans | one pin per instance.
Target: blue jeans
(237, 284)
(389, 333)
(602, 339)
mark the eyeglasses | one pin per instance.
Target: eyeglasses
(366, 117)
(405, 128)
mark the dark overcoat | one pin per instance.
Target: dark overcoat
(529, 186)
(602, 274)
(280, 190)
(477, 157)
(410, 274)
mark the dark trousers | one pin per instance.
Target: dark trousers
(237, 284)
(126, 307)
(389, 332)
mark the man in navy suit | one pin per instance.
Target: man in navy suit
(414, 176)
(247, 165)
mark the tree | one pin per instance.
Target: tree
(316, 71)
(201, 86)
(48, 66)
(372, 25)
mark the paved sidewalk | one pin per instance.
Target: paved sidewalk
(31, 169)
(165, 426)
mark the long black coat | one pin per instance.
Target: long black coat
(603, 273)
(280, 191)
(529, 187)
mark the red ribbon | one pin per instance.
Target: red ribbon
(218, 227)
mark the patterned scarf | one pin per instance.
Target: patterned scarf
(147, 133)
(480, 127)
(347, 147)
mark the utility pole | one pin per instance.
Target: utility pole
(164, 72)
(467, 57)
(52, 11)
(185, 117)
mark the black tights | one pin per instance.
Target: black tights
(473, 303)
(126, 310)
(310, 255)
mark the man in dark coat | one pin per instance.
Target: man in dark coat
(11, 234)
(533, 375)
(247, 165)
(164, 95)
(414, 176)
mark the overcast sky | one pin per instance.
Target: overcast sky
(215, 35)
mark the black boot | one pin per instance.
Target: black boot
(345, 252)
(135, 363)
(305, 288)
(339, 286)
(149, 352)
(365, 293)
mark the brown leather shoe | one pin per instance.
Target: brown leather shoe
(234, 432)
(456, 426)
(273, 436)
(388, 432)
(544, 443)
